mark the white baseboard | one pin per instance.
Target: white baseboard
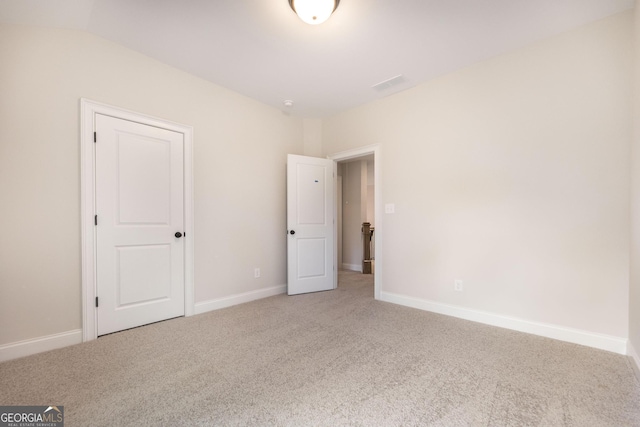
(38, 345)
(352, 267)
(216, 304)
(576, 336)
(51, 342)
(631, 352)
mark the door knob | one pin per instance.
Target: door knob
(178, 234)
(292, 232)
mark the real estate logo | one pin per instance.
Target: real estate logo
(31, 416)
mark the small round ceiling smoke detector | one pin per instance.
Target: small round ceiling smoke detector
(288, 103)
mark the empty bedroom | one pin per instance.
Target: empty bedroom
(320, 213)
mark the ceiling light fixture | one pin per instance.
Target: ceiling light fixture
(314, 12)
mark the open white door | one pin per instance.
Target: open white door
(310, 246)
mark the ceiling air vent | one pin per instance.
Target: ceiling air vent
(386, 84)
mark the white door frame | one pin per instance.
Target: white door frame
(377, 181)
(88, 111)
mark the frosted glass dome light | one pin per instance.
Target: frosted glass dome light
(314, 12)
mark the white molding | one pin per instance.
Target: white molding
(88, 111)
(38, 345)
(339, 225)
(576, 336)
(189, 215)
(376, 150)
(352, 267)
(633, 355)
(218, 303)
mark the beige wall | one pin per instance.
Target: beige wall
(512, 175)
(634, 294)
(312, 137)
(240, 149)
(352, 218)
(371, 214)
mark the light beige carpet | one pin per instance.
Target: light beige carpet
(326, 359)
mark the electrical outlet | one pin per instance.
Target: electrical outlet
(256, 273)
(458, 286)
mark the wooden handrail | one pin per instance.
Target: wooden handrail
(367, 235)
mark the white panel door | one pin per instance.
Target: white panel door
(310, 246)
(140, 224)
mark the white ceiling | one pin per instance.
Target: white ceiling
(261, 49)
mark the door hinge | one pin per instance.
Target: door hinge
(95, 220)
(96, 301)
(95, 137)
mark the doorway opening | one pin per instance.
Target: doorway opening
(358, 202)
(356, 213)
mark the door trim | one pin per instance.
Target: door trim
(88, 111)
(377, 181)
